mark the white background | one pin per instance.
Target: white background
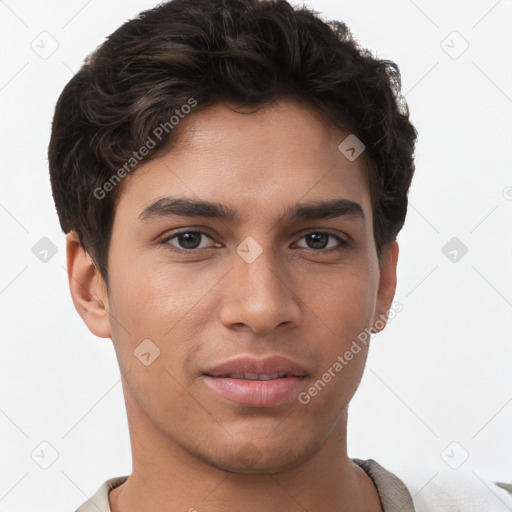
(440, 372)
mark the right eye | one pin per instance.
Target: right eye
(189, 241)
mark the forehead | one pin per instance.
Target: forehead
(280, 153)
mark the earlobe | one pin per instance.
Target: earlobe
(87, 287)
(387, 286)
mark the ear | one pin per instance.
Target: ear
(87, 287)
(387, 286)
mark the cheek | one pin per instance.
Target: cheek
(344, 301)
(343, 304)
(165, 306)
(150, 301)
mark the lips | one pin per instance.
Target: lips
(252, 367)
(255, 376)
(257, 382)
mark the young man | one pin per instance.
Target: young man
(232, 176)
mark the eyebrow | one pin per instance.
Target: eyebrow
(184, 207)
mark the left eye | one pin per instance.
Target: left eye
(319, 240)
(191, 240)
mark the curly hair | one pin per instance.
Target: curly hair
(248, 51)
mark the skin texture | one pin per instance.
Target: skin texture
(190, 446)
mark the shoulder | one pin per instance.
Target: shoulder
(457, 491)
(98, 502)
(434, 490)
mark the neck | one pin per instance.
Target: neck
(168, 477)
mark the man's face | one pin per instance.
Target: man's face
(260, 284)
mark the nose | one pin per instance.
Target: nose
(259, 295)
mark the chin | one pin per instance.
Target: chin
(256, 459)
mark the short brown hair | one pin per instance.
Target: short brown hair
(249, 51)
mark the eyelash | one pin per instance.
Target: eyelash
(342, 243)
